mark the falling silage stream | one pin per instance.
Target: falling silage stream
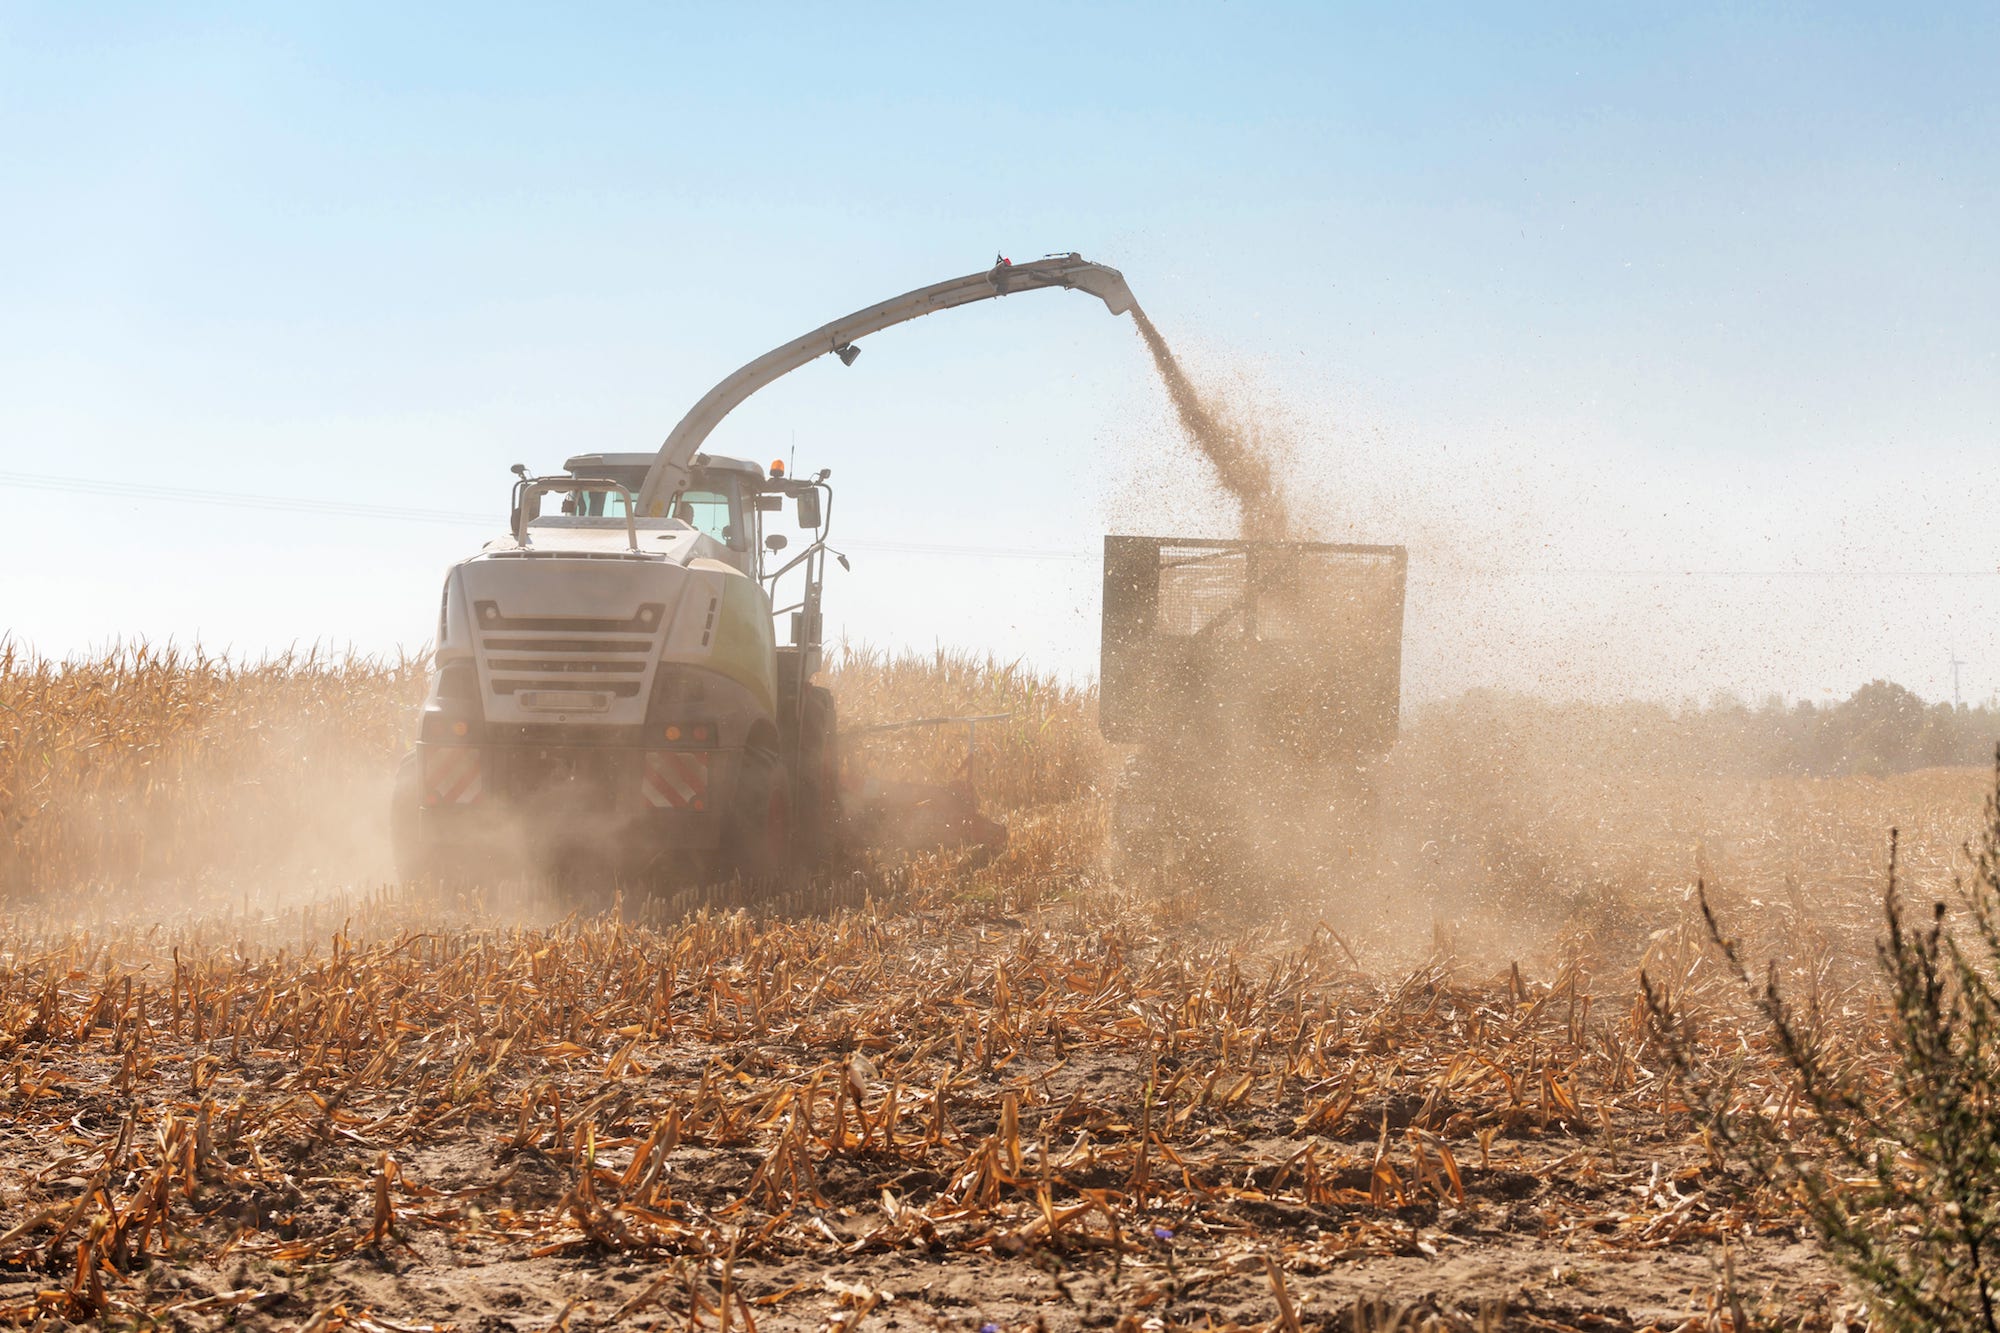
(1239, 460)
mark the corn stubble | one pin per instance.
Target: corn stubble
(1107, 1104)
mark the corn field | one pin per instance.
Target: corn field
(1024, 1089)
(160, 763)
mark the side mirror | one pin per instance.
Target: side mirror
(775, 543)
(809, 516)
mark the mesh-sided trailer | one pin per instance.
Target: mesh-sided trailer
(1296, 645)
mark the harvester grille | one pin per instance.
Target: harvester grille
(561, 656)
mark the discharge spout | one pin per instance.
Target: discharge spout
(1072, 271)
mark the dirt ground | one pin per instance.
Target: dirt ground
(966, 1091)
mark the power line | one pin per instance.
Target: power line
(974, 552)
(289, 504)
(292, 504)
(127, 490)
(1610, 572)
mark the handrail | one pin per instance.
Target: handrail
(530, 488)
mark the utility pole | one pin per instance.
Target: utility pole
(1955, 665)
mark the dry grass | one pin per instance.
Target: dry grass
(149, 764)
(1007, 1088)
(1046, 751)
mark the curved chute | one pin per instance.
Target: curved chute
(669, 471)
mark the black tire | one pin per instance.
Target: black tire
(757, 836)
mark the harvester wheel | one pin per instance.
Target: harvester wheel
(758, 839)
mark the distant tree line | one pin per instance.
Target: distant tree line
(1881, 728)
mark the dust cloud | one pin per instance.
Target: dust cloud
(1254, 685)
(1500, 826)
(156, 779)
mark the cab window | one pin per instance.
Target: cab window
(710, 511)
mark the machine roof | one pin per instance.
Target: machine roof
(582, 463)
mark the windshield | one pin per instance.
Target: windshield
(708, 507)
(594, 504)
(707, 511)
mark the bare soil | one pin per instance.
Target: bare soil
(398, 1112)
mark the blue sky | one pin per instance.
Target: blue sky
(1557, 290)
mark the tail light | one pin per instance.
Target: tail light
(679, 712)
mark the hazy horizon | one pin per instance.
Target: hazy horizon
(1665, 343)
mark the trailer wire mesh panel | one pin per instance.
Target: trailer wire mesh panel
(1299, 641)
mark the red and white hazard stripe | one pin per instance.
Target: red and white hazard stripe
(675, 779)
(451, 776)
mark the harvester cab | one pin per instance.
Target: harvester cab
(612, 683)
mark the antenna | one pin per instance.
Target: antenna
(1956, 663)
